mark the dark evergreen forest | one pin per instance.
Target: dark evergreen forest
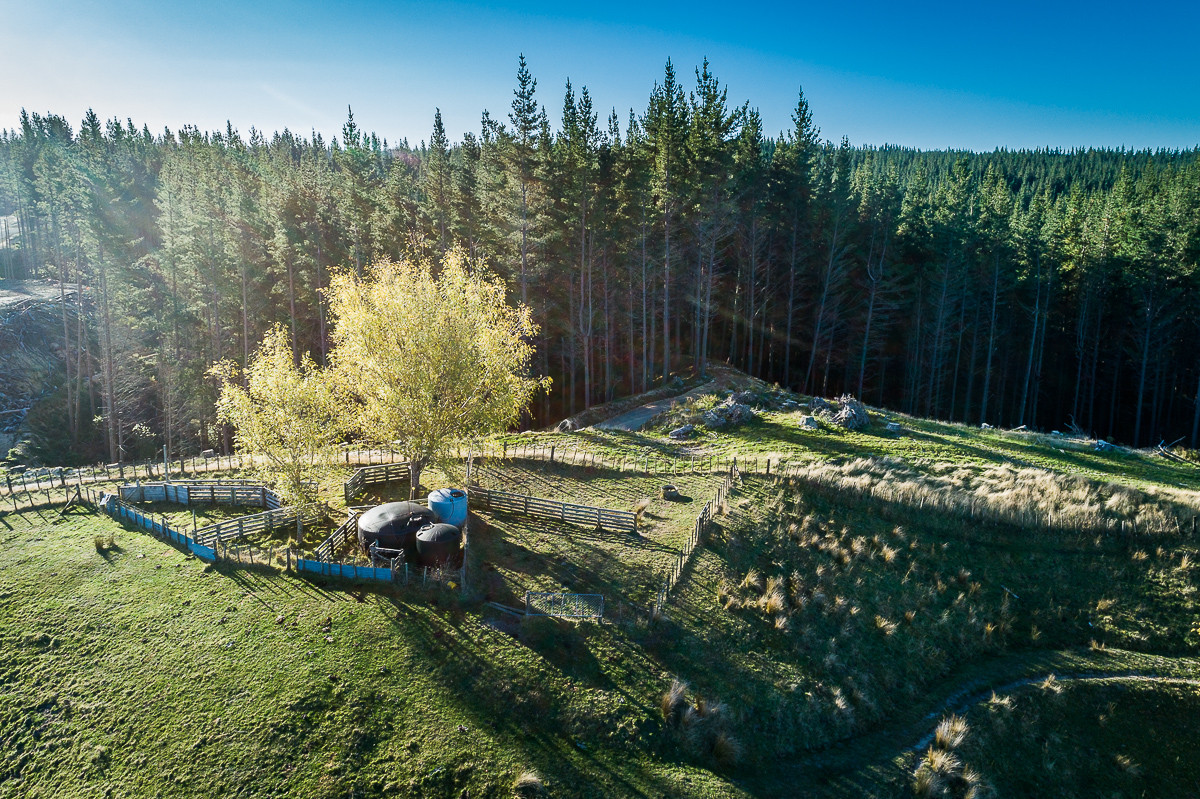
(1011, 287)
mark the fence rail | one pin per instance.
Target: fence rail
(602, 518)
(269, 520)
(371, 475)
(337, 539)
(203, 492)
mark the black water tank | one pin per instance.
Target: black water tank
(438, 543)
(394, 526)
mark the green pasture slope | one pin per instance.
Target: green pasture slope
(814, 642)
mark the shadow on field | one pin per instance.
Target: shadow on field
(499, 692)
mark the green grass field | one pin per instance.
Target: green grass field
(814, 642)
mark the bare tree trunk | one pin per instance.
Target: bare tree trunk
(752, 295)
(246, 323)
(647, 340)
(1033, 340)
(1095, 370)
(291, 276)
(708, 287)
(1144, 368)
(1196, 413)
(585, 314)
(934, 396)
(608, 337)
(110, 403)
(1081, 332)
(72, 415)
(791, 310)
(321, 302)
(873, 278)
(962, 318)
(972, 360)
(1037, 369)
(571, 337)
(415, 467)
(991, 347)
(831, 264)
(667, 291)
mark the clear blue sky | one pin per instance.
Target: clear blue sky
(964, 75)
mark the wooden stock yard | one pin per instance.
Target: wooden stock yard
(595, 518)
(203, 492)
(372, 475)
(213, 534)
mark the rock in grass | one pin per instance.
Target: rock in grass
(680, 433)
(809, 423)
(852, 414)
(819, 406)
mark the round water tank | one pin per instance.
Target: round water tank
(394, 526)
(438, 543)
(450, 505)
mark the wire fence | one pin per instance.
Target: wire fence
(568, 606)
(703, 522)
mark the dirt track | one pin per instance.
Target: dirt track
(634, 420)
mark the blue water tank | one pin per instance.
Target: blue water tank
(450, 505)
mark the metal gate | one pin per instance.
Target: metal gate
(571, 606)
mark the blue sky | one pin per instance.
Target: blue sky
(975, 76)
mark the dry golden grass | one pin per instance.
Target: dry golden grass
(674, 702)
(1128, 765)
(773, 602)
(950, 732)
(529, 784)
(753, 580)
(1027, 497)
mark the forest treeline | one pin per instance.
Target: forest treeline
(1011, 287)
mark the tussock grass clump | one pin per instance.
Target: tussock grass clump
(941, 772)
(950, 733)
(702, 725)
(529, 784)
(639, 508)
(674, 702)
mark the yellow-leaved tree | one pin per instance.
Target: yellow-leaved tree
(287, 417)
(435, 356)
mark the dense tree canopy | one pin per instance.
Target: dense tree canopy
(286, 413)
(432, 359)
(1011, 287)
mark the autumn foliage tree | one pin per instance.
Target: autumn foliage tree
(433, 354)
(288, 415)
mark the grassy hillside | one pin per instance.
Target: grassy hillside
(826, 623)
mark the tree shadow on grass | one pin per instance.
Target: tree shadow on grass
(516, 703)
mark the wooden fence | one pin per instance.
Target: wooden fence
(338, 538)
(372, 475)
(204, 492)
(710, 509)
(269, 520)
(595, 518)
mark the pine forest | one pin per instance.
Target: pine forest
(1045, 288)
